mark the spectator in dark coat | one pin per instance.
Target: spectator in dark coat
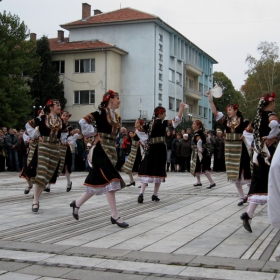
(185, 152)
(175, 156)
(219, 153)
(3, 151)
(168, 141)
(79, 162)
(12, 143)
(120, 152)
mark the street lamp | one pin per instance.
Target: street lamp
(190, 118)
(34, 109)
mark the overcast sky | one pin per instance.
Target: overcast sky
(228, 30)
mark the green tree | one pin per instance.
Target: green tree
(18, 64)
(45, 84)
(263, 76)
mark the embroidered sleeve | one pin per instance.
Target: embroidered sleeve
(220, 117)
(32, 130)
(249, 128)
(89, 118)
(87, 128)
(176, 121)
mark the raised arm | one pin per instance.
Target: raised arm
(213, 107)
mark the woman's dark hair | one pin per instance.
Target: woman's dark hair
(106, 97)
(49, 104)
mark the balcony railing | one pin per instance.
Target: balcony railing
(192, 93)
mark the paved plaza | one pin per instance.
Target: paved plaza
(192, 233)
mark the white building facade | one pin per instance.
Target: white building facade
(161, 67)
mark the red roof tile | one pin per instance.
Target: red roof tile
(125, 14)
(65, 45)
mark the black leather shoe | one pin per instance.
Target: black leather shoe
(27, 190)
(140, 186)
(69, 187)
(245, 217)
(131, 184)
(123, 224)
(155, 198)
(241, 202)
(35, 209)
(197, 184)
(73, 205)
(47, 190)
(211, 186)
(140, 198)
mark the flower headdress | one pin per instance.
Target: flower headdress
(111, 94)
(233, 105)
(269, 97)
(160, 111)
(52, 102)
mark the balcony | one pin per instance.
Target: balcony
(193, 69)
(192, 93)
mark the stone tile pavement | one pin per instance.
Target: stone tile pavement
(192, 233)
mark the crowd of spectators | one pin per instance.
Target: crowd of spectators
(14, 150)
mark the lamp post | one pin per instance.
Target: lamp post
(34, 109)
(190, 119)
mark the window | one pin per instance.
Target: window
(200, 110)
(84, 97)
(210, 114)
(160, 76)
(178, 78)
(160, 57)
(160, 47)
(171, 103)
(171, 75)
(59, 66)
(84, 65)
(205, 89)
(159, 104)
(190, 108)
(160, 67)
(160, 96)
(160, 37)
(178, 101)
(191, 84)
(200, 88)
(205, 113)
(160, 86)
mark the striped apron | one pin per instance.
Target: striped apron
(128, 166)
(233, 150)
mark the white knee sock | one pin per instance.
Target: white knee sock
(111, 198)
(80, 201)
(131, 177)
(156, 188)
(209, 177)
(67, 174)
(251, 209)
(143, 187)
(240, 191)
(197, 175)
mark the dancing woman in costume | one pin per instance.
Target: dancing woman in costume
(44, 156)
(266, 128)
(133, 161)
(273, 200)
(153, 166)
(103, 178)
(202, 158)
(69, 137)
(237, 146)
